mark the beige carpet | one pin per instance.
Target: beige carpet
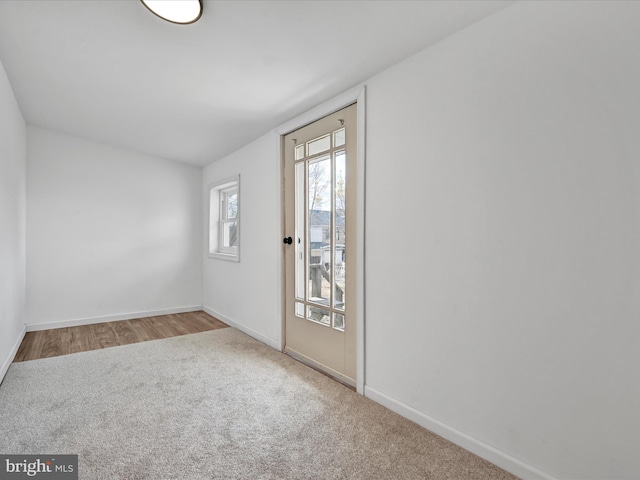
(214, 405)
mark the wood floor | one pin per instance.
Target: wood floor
(62, 341)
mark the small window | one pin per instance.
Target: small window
(224, 219)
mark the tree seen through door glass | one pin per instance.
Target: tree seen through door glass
(319, 183)
(340, 232)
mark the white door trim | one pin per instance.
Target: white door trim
(356, 94)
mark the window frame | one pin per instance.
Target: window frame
(224, 219)
(218, 192)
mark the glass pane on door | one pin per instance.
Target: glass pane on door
(340, 231)
(339, 137)
(319, 145)
(319, 315)
(319, 182)
(299, 240)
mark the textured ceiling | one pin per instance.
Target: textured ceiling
(111, 71)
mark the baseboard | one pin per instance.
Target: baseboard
(12, 354)
(33, 327)
(489, 453)
(273, 343)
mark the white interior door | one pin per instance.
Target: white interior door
(319, 244)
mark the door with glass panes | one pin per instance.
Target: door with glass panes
(319, 202)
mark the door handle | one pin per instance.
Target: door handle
(288, 240)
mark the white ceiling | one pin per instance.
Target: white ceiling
(110, 71)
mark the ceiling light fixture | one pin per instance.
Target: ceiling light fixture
(182, 12)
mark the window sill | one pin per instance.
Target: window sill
(225, 256)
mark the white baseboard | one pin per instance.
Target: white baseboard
(32, 327)
(273, 343)
(12, 354)
(489, 453)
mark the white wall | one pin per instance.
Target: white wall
(247, 294)
(503, 173)
(110, 233)
(13, 144)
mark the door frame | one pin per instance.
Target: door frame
(357, 95)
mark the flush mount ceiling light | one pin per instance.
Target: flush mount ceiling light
(175, 11)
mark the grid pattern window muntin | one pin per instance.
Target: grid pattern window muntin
(323, 311)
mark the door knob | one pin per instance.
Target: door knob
(288, 240)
